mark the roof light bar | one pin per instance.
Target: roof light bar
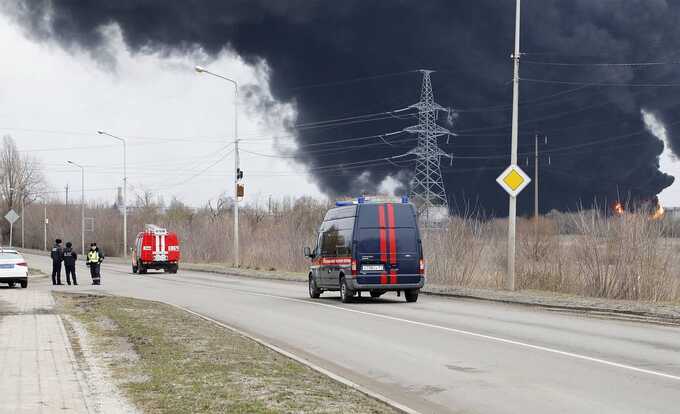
(372, 200)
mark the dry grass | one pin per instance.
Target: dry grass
(617, 257)
(169, 361)
(585, 253)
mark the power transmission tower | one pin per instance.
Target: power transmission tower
(427, 187)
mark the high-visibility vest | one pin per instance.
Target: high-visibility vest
(93, 256)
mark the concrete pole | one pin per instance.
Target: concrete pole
(200, 69)
(45, 225)
(82, 212)
(124, 198)
(236, 168)
(536, 178)
(512, 210)
(23, 205)
(124, 141)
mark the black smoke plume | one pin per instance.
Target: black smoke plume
(597, 142)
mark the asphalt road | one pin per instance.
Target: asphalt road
(438, 355)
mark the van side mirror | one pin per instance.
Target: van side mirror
(308, 252)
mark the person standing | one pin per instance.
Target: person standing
(94, 261)
(70, 258)
(57, 255)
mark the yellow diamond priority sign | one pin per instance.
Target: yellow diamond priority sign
(513, 180)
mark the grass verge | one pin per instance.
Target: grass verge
(182, 363)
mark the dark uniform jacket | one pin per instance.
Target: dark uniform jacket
(69, 257)
(57, 254)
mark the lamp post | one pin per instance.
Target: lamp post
(124, 141)
(200, 69)
(82, 206)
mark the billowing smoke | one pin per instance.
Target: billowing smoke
(598, 146)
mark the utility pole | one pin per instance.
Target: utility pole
(66, 195)
(82, 205)
(427, 187)
(23, 207)
(45, 225)
(536, 178)
(200, 69)
(512, 210)
(125, 185)
(237, 167)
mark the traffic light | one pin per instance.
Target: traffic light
(239, 174)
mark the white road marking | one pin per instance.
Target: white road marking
(330, 374)
(473, 334)
(478, 335)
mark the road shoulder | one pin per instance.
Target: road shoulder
(167, 360)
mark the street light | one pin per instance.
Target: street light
(124, 141)
(200, 69)
(82, 206)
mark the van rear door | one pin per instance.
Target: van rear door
(387, 244)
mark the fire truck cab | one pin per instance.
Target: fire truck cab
(155, 248)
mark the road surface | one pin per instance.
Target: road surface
(438, 355)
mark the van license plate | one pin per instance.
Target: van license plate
(373, 268)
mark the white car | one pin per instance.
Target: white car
(13, 268)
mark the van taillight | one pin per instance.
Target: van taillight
(354, 267)
(22, 264)
(421, 269)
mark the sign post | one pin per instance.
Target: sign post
(11, 217)
(513, 180)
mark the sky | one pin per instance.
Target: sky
(327, 89)
(178, 124)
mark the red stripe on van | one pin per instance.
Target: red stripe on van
(393, 242)
(383, 241)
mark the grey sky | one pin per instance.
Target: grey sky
(177, 122)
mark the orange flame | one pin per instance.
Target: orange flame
(618, 208)
(658, 212)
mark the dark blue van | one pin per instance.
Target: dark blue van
(368, 246)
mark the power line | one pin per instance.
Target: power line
(569, 64)
(348, 81)
(598, 83)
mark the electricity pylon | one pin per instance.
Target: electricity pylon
(427, 186)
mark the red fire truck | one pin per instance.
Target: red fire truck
(155, 248)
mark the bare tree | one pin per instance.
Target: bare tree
(20, 175)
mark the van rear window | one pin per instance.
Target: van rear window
(368, 241)
(404, 215)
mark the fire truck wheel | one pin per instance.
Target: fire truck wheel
(141, 270)
(173, 269)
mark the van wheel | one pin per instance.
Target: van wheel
(411, 295)
(10, 284)
(314, 291)
(376, 293)
(24, 284)
(346, 294)
(134, 269)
